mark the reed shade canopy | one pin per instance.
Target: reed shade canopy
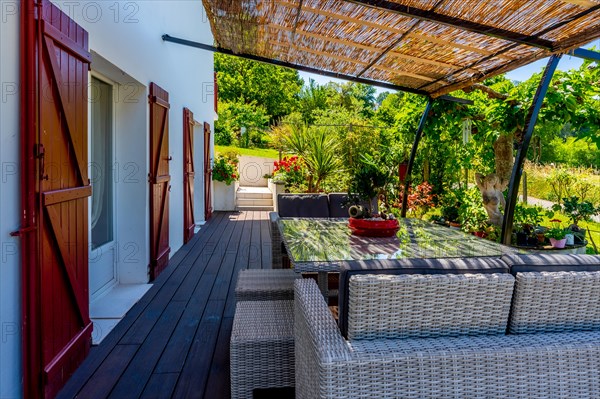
(430, 47)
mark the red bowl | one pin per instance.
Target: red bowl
(373, 228)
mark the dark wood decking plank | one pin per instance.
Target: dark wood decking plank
(101, 383)
(221, 285)
(144, 324)
(136, 375)
(199, 260)
(102, 351)
(265, 241)
(241, 263)
(160, 386)
(255, 258)
(219, 383)
(174, 356)
(193, 378)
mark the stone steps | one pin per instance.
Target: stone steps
(254, 199)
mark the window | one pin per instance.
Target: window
(102, 159)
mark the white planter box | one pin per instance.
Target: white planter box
(224, 196)
(276, 188)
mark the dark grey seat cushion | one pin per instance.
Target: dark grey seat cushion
(303, 205)
(552, 263)
(409, 266)
(337, 200)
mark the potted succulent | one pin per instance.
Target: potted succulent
(557, 234)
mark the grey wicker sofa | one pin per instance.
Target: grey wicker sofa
(442, 331)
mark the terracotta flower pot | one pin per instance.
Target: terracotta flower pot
(558, 243)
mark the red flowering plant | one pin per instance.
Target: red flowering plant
(420, 199)
(225, 169)
(290, 170)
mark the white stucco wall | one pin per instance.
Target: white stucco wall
(252, 169)
(10, 286)
(127, 35)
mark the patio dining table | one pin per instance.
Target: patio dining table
(321, 245)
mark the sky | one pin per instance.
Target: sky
(566, 63)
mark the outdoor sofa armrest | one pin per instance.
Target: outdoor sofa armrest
(318, 342)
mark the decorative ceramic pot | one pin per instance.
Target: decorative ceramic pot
(373, 227)
(521, 239)
(541, 238)
(570, 239)
(558, 243)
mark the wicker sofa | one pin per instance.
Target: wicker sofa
(520, 327)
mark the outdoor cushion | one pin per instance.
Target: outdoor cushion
(337, 202)
(383, 306)
(552, 263)
(555, 302)
(303, 205)
(348, 269)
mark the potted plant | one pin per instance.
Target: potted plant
(556, 234)
(577, 211)
(527, 220)
(224, 173)
(370, 180)
(450, 206)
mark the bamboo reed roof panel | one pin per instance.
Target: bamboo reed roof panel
(431, 46)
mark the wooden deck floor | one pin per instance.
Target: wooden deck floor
(175, 341)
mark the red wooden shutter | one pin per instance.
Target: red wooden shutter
(189, 223)
(207, 173)
(55, 187)
(160, 180)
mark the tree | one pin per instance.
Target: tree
(312, 97)
(233, 115)
(354, 97)
(246, 81)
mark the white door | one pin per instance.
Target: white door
(102, 270)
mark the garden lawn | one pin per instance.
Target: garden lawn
(255, 152)
(538, 185)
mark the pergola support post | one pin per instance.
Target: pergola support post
(413, 155)
(515, 178)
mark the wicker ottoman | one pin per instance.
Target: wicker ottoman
(262, 347)
(265, 285)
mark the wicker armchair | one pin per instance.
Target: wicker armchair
(410, 358)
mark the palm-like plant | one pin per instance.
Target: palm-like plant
(321, 157)
(319, 150)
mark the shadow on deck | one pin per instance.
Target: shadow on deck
(175, 341)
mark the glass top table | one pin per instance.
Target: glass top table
(319, 245)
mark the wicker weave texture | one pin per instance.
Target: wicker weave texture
(404, 306)
(262, 347)
(265, 284)
(276, 241)
(557, 301)
(550, 365)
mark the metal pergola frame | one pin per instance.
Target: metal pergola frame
(532, 115)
